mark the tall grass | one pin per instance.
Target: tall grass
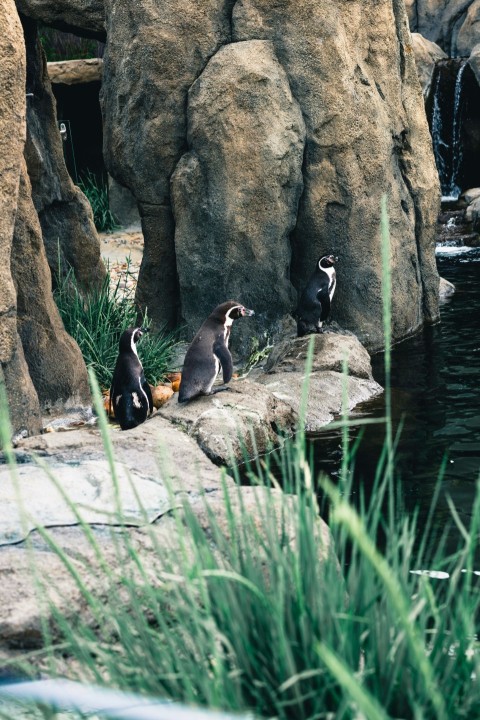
(261, 613)
(96, 321)
(95, 189)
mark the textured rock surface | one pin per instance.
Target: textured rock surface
(236, 192)
(22, 398)
(353, 73)
(64, 212)
(427, 53)
(158, 449)
(331, 350)
(153, 55)
(244, 418)
(474, 61)
(472, 214)
(447, 289)
(54, 359)
(85, 17)
(452, 24)
(285, 376)
(73, 72)
(468, 34)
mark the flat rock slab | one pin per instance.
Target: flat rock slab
(247, 418)
(155, 449)
(332, 352)
(325, 392)
(33, 496)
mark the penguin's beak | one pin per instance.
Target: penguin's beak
(247, 313)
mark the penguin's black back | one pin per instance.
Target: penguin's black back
(130, 394)
(207, 353)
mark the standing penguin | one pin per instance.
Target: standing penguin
(314, 305)
(130, 393)
(209, 350)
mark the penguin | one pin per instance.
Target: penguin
(130, 393)
(209, 350)
(314, 305)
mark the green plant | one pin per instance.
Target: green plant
(95, 190)
(257, 354)
(96, 321)
(60, 45)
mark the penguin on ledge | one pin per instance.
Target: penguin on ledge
(315, 301)
(130, 394)
(209, 351)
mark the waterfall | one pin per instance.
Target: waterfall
(446, 124)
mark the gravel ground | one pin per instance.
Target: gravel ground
(122, 251)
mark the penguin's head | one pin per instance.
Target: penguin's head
(327, 261)
(130, 338)
(231, 310)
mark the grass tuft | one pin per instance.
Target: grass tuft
(96, 321)
(95, 190)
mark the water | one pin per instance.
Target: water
(446, 122)
(435, 394)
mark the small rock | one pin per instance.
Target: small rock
(161, 394)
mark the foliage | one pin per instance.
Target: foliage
(96, 191)
(96, 321)
(60, 45)
(257, 354)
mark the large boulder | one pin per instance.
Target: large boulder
(65, 214)
(341, 377)
(366, 135)
(236, 192)
(427, 54)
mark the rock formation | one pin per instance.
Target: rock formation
(315, 94)
(41, 366)
(427, 54)
(22, 399)
(366, 135)
(452, 24)
(353, 74)
(65, 215)
(236, 192)
(54, 359)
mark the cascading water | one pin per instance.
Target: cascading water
(446, 124)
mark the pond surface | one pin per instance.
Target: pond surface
(436, 395)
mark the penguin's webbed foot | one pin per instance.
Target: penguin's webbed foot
(218, 389)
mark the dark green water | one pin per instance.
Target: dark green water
(436, 395)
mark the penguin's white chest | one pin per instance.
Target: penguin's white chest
(332, 280)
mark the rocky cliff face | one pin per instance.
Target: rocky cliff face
(41, 366)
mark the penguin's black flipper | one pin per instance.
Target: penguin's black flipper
(223, 354)
(324, 300)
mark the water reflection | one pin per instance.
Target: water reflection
(435, 396)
